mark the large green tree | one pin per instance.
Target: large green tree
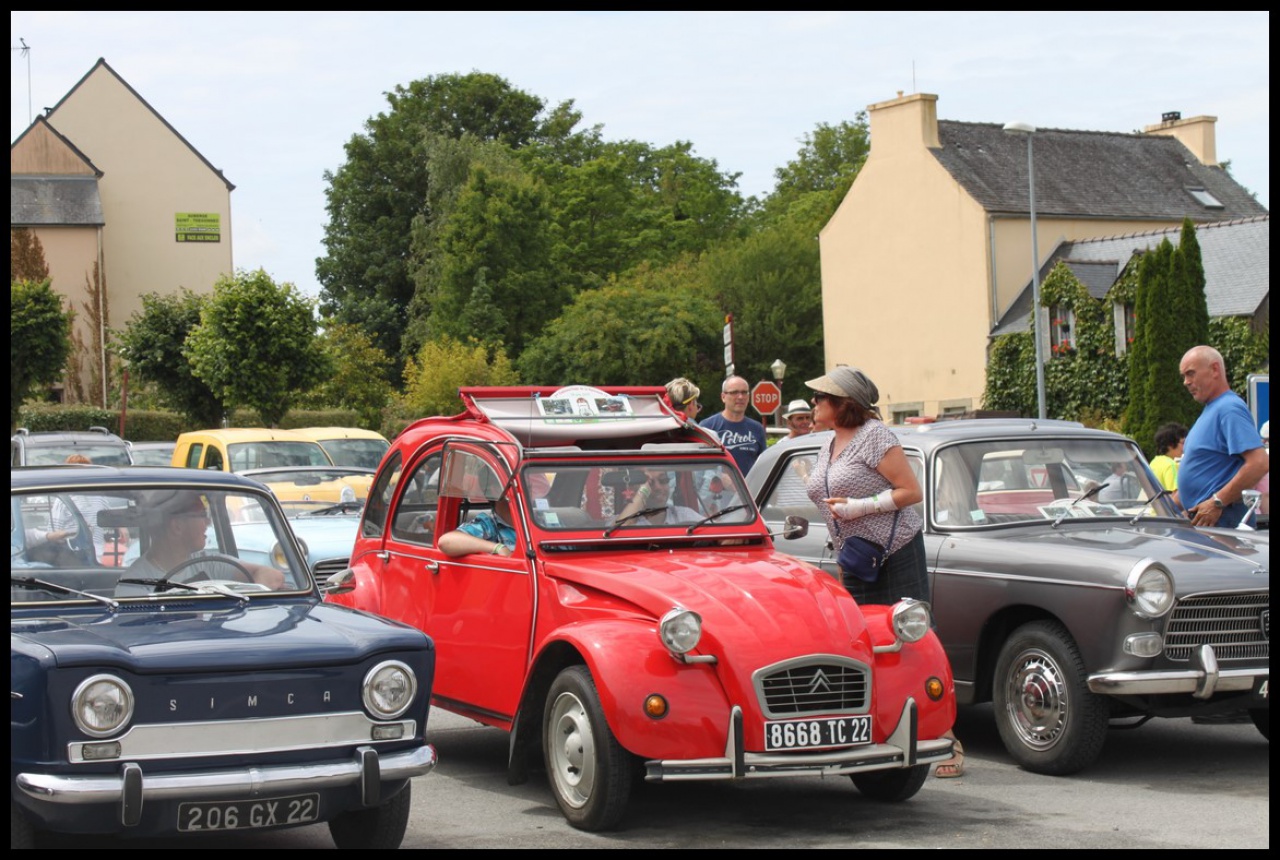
(39, 341)
(152, 343)
(384, 185)
(358, 377)
(829, 159)
(433, 376)
(256, 345)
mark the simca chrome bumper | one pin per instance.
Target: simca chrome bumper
(131, 787)
(900, 750)
(1202, 678)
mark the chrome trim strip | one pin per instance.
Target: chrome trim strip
(242, 737)
(248, 782)
(1178, 681)
(1071, 583)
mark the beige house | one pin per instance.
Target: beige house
(931, 247)
(122, 204)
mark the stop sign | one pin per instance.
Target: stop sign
(766, 397)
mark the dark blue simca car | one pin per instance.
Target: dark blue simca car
(168, 676)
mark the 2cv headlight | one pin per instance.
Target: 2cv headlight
(911, 619)
(680, 630)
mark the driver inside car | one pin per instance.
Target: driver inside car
(179, 537)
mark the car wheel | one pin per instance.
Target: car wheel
(21, 833)
(1048, 719)
(1262, 721)
(379, 828)
(590, 772)
(892, 786)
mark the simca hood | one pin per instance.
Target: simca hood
(1200, 560)
(747, 600)
(254, 636)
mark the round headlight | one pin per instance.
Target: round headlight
(389, 689)
(102, 705)
(911, 619)
(680, 630)
(1149, 589)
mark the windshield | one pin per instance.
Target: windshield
(124, 543)
(985, 483)
(659, 493)
(266, 454)
(101, 455)
(364, 453)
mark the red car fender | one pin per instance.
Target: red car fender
(904, 672)
(628, 664)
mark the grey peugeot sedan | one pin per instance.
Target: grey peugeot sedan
(1068, 589)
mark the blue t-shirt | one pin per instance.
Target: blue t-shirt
(744, 439)
(489, 527)
(1214, 449)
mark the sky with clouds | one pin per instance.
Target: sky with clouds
(271, 98)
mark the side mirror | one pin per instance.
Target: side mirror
(794, 527)
(342, 582)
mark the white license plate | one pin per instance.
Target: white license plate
(816, 734)
(247, 814)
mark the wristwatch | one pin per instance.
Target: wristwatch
(1217, 502)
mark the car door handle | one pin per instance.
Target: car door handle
(433, 566)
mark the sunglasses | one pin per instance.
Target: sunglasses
(664, 478)
(819, 396)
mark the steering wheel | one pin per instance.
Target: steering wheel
(202, 559)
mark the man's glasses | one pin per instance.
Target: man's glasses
(743, 393)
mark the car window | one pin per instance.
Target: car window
(214, 459)
(374, 522)
(415, 518)
(193, 455)
(364, 453)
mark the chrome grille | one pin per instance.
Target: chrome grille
(822, 685)
(1234, 624)
(327, 567)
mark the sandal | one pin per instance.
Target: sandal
(952, 767)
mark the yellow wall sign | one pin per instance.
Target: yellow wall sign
(197, 227)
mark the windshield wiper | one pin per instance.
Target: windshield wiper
(1150, 505)
(202, 588)
(711, 517)
(629, 517)
(1084, 497)
(32, 582)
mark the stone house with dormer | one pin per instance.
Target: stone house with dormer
(930, 252)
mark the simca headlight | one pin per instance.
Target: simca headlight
(911, 619)
(680, 630)
(1149, 589)
(389, 689)
(102, 705)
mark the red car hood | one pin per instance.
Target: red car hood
(749, 599)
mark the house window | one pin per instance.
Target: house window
(1062, 329)
(1126, 327)
(900, 412)
(1203, 197)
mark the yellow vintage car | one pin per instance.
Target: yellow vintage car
(349, 446)
(251, 449)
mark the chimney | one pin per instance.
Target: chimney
(1196, 134)
(904, 123)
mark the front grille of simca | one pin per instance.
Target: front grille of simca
(825, 685)
(327, 567)
(1234, 624)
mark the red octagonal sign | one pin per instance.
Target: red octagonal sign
(766, 397)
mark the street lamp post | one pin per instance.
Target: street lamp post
(779, 368)
(1030, 130)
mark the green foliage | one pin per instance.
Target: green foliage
(39, 341)
(829, 160)
(256, 344)
(648, 327)
(1244, 350)
(26, 257)
(1011, 375)
(358, 378)
(384, 185)
(153, 343)
(433, 377)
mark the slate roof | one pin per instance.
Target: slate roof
(1236, 256)
(1087, 174)
(61, 200)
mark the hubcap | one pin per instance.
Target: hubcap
(571, 747)
(1037, 700)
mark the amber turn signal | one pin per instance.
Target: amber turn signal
(933, 688)
(655, 706)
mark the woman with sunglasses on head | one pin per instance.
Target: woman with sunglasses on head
(864, 486)
(684, 395)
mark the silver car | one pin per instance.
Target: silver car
(1067, 587)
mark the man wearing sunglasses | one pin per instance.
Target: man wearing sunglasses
(654, 496)
(743, 437)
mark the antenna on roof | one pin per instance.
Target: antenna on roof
(26, 52)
